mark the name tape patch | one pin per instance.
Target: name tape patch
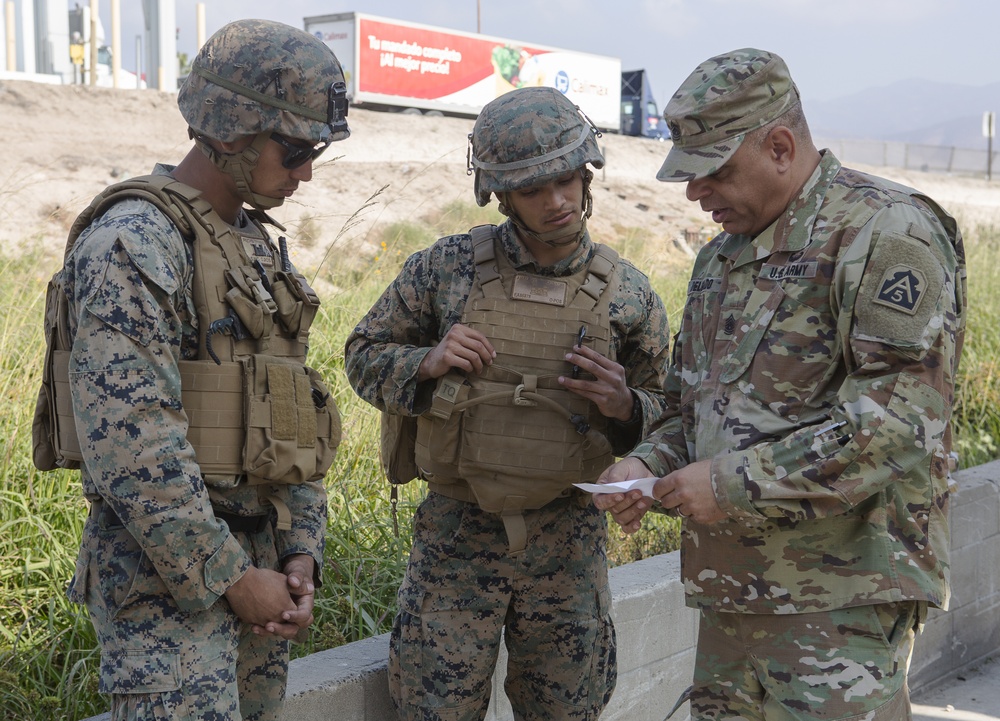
(703, 285)
(539, 290)
(805, 269)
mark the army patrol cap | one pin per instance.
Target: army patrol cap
(261, 76)
(725, 98)
(527, 137)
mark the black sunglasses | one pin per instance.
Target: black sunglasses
(298, 155)
(336, 118)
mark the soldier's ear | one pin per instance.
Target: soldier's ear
(233, 146)
(779, 146)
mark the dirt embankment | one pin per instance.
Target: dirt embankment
(64, 144)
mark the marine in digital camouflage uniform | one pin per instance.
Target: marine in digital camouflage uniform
(471, 576)
(807, 439)
(193, 618)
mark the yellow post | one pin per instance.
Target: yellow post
(76, 57)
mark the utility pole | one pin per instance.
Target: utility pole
(116, 42)
(10, 32)
(138, 62)
(478, 15)
(93, 42)
(989, 130)
(199, 25)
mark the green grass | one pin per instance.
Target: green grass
(48, 650)
(48, 656)
(977, 409)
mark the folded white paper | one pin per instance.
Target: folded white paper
(642, 484)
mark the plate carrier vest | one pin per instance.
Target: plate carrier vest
(511, 438)
(256, 412)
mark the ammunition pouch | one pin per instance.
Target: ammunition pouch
(297, 303)
(293, 427)
(265, 419)
(53, 429)
(269, 419)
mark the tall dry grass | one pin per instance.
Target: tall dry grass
(48, 656)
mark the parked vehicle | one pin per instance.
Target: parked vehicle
(640, 115)
(404, 66)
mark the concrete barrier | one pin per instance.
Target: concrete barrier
(969, 630)
(657, 633)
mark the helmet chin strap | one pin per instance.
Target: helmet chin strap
(568, 235)
(239, 166)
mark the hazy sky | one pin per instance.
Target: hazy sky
(833, 47)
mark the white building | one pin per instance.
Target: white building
(36, 36)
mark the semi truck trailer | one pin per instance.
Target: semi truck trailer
(410, 67)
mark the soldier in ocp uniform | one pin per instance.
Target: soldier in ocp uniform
(202, 435)
(807, 440)
(529, 356)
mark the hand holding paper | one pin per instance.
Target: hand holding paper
(641, 484)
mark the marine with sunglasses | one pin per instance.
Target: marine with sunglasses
(180, 328)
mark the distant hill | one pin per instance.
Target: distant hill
(911, 111)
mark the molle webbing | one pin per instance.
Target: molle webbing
(512, 437)
(535, 336)
(212, 396)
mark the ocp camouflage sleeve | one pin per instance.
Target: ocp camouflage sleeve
(131, 324)
(815, 366)
(893, 406)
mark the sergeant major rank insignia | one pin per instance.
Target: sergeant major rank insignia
(901, 288)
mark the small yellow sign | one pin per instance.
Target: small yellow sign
(76, 53)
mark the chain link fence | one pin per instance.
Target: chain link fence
(928, 158)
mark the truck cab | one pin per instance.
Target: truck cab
(640, 115)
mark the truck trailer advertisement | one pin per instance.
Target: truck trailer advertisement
(404, 65)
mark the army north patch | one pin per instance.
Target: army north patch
(901, 288)
(899, 292)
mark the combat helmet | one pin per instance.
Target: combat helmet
(531, 136)
(257, 77)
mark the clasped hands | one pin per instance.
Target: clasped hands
(276, 603)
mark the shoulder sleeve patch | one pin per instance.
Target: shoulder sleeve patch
(902, 287)
(899, 294)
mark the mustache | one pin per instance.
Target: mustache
(561, 213)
